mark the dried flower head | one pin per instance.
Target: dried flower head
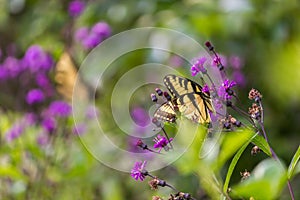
(245, 175)
(156, 198)
(254, 95)
(255, 111)
(255, 150)
(154, 183)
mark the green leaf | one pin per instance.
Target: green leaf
(265, 182)
(231, 143)
(293, 164)
(234, 162)
(262, 144)
(11, 172)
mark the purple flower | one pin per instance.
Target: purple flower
(43, 139)
(160, 142)
(14, 132)
(91, 41)
(81, 34)
(91, 112)
(29, 119)
(49, 124)
(140, 116)
(205, 89)
(138, 171)
(19, 127)
(35, 96)
(37, 59)
(3, 73)
(225, 91)
(76, 7)
(13, 66)
(60, 109)
(43, 82)
(79, 129)
(176, 61)
(235, 62)
(219, 59)
(198, 66)
(101, 29)
(239, 77)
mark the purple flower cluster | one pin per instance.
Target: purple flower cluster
(56, 110)
(225, 91)
(37, 60)
(35, 96)
(140, 116)
(90, 38)
(18, 128)
(76, 7)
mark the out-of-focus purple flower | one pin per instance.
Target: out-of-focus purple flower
(76, 7)
(29, 119)
(3, 73)
(213, 116)
(225, 91)
(92, 112)
(49, 124)
(79, 129)
(91, 41)
(140, 116)
(205, 89)
(14, 132)
(198, 66)
(138, 171)
(35, 96)
(37, 59)
(176, 61)
(19, 127)
(239, 78)
(81, 34)
(160, 142)
(101, 29)
(13, 66)
(42, 139)
(218, 59)
(43, 82)
(60, 109)
(236, 62)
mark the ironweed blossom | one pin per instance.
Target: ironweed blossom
(199, 66)
(161, 142)
(76, 7)
(225, 91)
(36, 59)
(60, 109)
(138, 171)
(35, 96)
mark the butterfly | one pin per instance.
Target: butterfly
(65, 77)
(187, 99)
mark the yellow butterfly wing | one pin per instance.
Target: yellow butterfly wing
(191, 101)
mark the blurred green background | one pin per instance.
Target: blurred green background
(265, 34)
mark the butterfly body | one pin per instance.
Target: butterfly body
(188, 99)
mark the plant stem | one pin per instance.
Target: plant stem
(276, 158)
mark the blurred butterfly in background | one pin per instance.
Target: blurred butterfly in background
(66, 75)
(187, 99)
